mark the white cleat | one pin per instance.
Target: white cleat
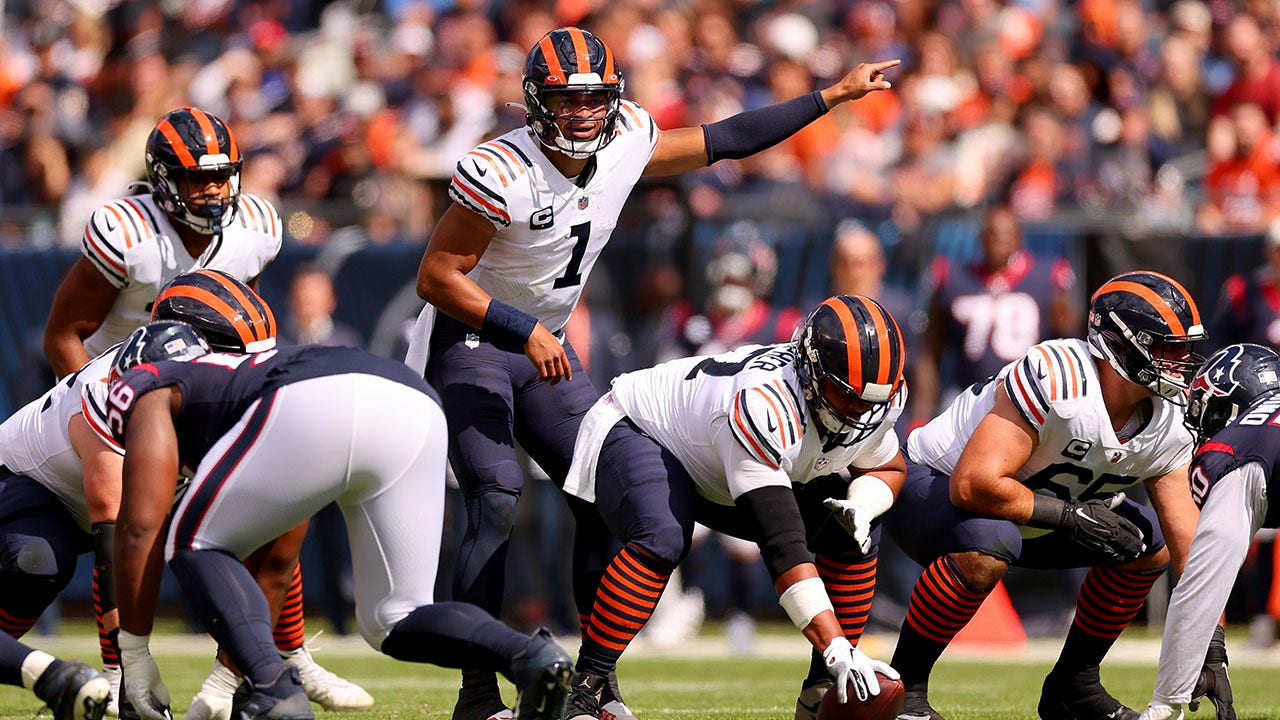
(113, 675)
(213, 701)
(330, 691)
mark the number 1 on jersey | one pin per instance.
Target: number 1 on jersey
(580, 234)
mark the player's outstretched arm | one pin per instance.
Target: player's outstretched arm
(747, 133)
(80, 305)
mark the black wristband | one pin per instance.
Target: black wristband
(104, 540)
(1048, 512)
(507, 325)
(747, 133)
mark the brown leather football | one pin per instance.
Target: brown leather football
(884, 706)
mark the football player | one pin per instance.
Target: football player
(237, 425)
(1234, 410)
(746, 443)
(1027, 468)
(193, 216)
(506, 264)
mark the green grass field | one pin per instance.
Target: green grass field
(684, 688)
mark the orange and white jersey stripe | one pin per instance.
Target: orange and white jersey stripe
(1051, 372)
(135, 247)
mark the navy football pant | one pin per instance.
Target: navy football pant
(491, 397)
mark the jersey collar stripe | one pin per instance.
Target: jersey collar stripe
(175, 141)
(852, 340)
(580, 52)
(211, 145)
(508, 144)
(250, 306)
(1154, 300)
(189, 522)
(773, 408)
(553, 61)
(1051, 371)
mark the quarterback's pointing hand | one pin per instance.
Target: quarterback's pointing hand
(862, 79)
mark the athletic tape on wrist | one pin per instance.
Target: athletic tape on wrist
(804, 601)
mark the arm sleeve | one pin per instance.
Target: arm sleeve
(1231, 515)
(782, 538)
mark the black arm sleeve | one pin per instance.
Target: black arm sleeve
(747, 133)
(782, 541)
(104, 541)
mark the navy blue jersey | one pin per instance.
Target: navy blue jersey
(993, 318)
(218, 388)
(1252, 437)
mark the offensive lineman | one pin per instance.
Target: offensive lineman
(505, 266)
(1052, 440)
(193, 216)
(721, 439)
(1233, 409)
(237, 425)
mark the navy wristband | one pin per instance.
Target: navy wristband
(507, 325)
(747, 133)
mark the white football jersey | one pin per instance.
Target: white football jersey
(133, 244)
(1055, 388)
(683, 404)
(34, 441)
(550, 229)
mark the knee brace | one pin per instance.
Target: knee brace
(492, 515)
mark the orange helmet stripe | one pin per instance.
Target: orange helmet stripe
(882, 337)
(610, 74)
(175, 141)
(201, 295)
(1195, 311)
(580, 50)
(554, 69)
(852, 340)
(255, 317)
(211, 145)
(1153, 299)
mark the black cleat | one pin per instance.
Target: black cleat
(73, 690)
(543, 673)
(480, 704)
(1080, 697)
(281, 699)
(585, 699)
(915, 706)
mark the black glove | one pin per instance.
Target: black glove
(1093, 525)
(1214, 682)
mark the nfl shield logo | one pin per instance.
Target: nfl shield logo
(1115, 457)
(583, 202)
(821, 464)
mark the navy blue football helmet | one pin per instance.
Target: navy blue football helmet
(1229, 382)
(153, 342)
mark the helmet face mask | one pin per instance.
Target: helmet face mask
(193, 167)
(847, 404)
(1146, 325)
(155, 342)
(1230, 382)
(572, 92)
(229, 314)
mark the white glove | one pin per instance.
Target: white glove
(1160, 711)
(854, 518)
(142, 683)
(846, 662)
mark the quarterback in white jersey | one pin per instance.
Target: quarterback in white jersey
(506, 265)
(1027, 469)
(193, 217)
(749, 443)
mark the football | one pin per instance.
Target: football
(884, 706)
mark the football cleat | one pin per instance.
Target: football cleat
(213, 700)
(73, 690)
(811, 697)
(543, 672)
(114, 676)
(330, 691)
(1080, 697)
(612, 706)
(915, 706)
(281, 699)
(481, 704)
(584, 699)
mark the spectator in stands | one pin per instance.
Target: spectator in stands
(1178, 102)
(312, 302)
(1257, 71)
(1243, 182)
(1249, 308)
(985, 314)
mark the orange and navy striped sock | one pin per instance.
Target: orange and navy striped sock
(14, 626)
(851, 583)
(628, 593)
(942, 603)
(584, 621)
(1109, 599)
(110, 654)
(291, 629)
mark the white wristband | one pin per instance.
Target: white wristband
(129, 641)
(804, 601)
(870, 493)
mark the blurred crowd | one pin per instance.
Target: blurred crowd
(1154, 114)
